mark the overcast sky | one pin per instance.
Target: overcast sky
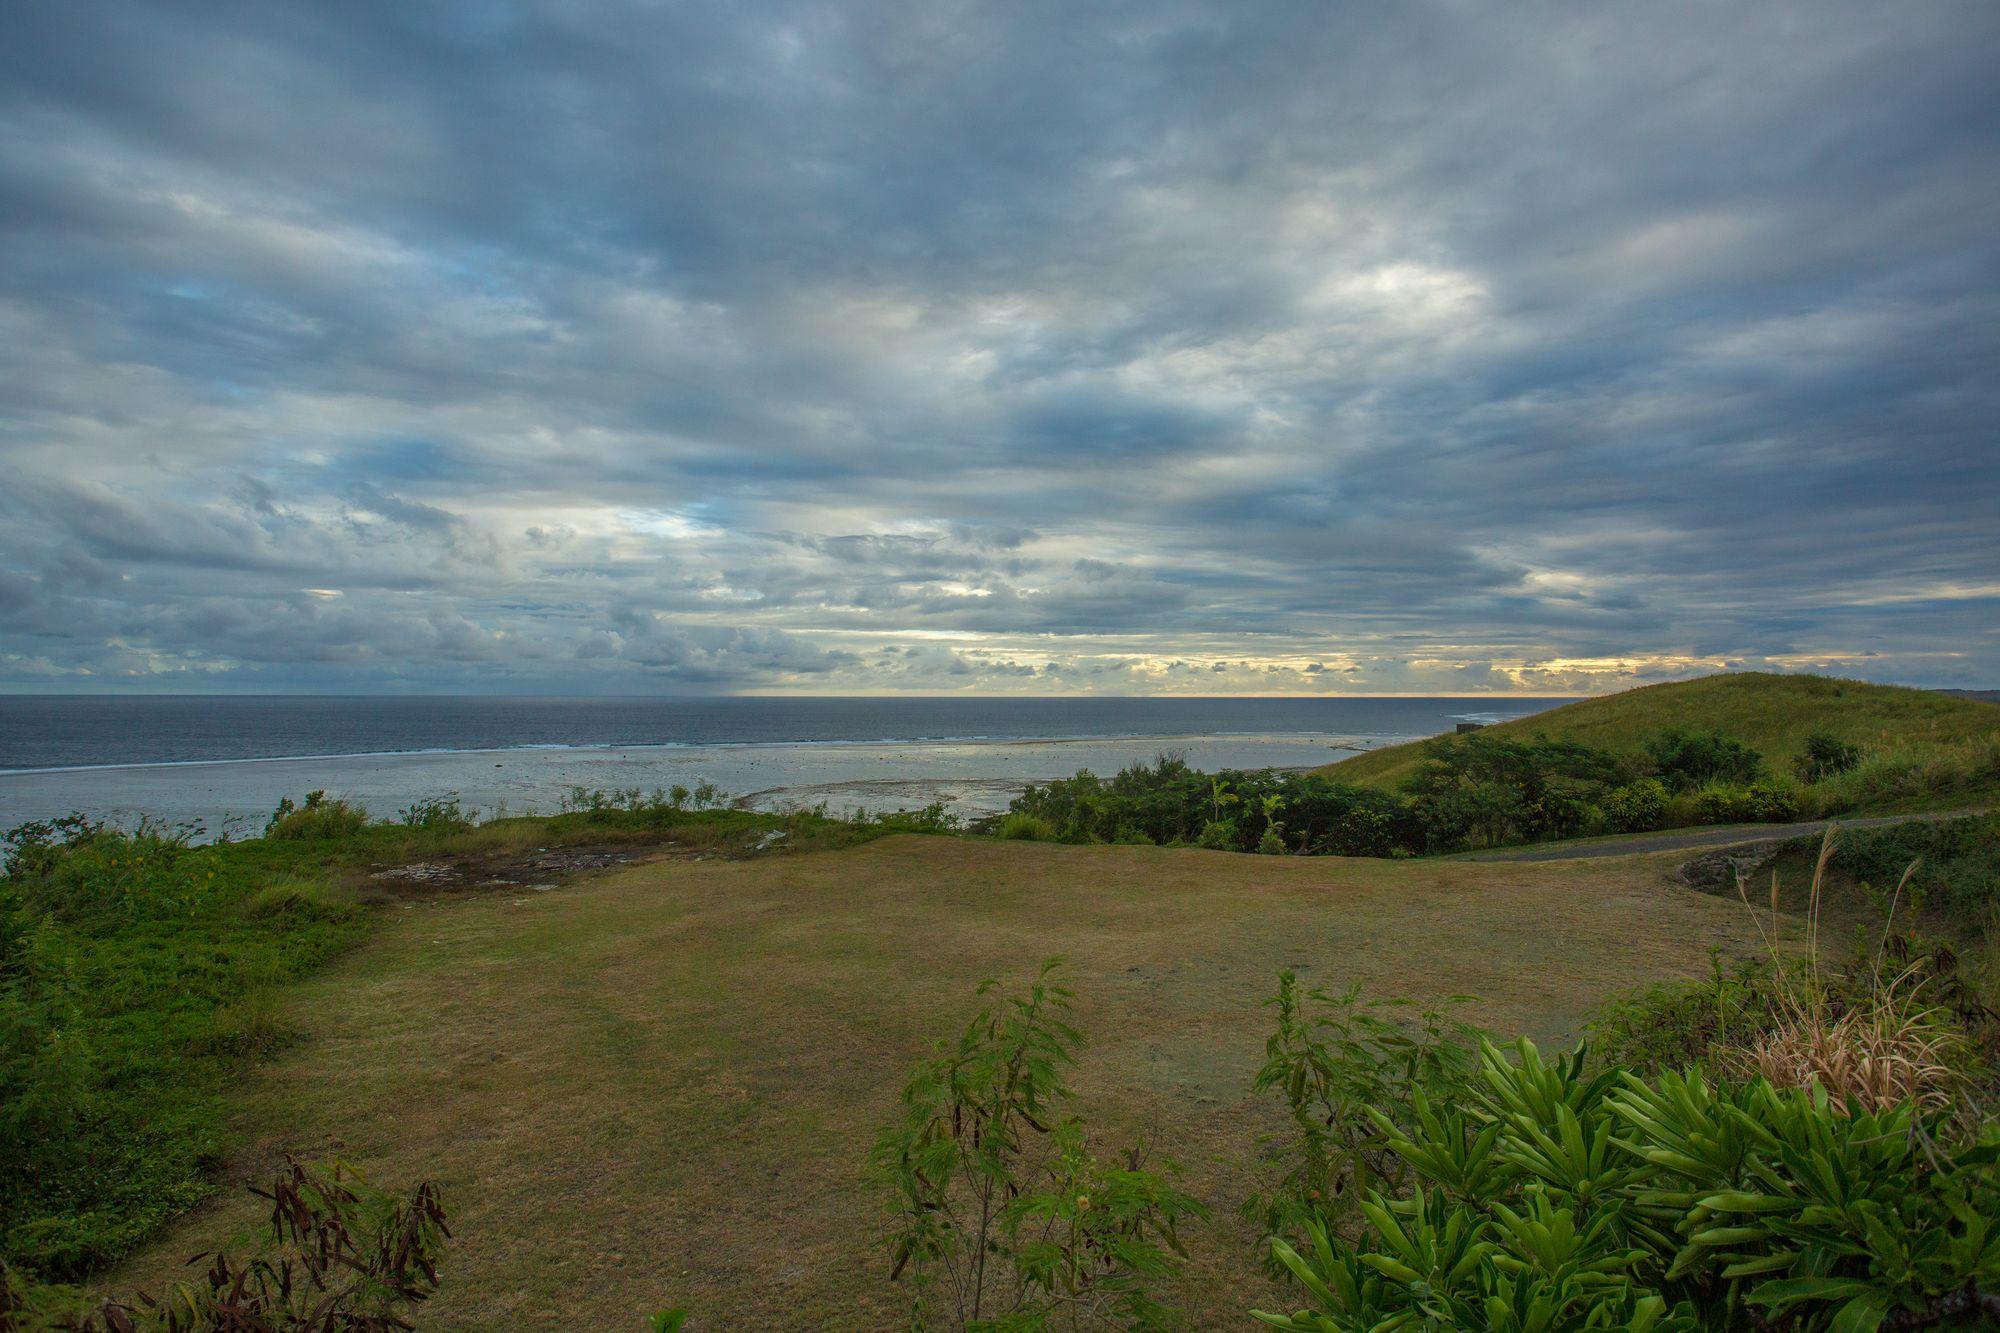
(1202, 348)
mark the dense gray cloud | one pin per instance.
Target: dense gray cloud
(1162, 347)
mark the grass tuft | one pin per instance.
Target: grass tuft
(1872, 1048)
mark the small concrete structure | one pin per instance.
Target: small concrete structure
(1464, 727)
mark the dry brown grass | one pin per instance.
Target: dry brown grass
(1877, 1049)
(1891, 1051)
(660, 1084)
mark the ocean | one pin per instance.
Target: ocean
(224, 761)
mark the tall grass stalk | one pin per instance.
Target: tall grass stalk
(1874, 1051)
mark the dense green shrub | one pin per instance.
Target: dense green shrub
(1773, 801)
(1636, 807)
(933, 818)
(1722, 805)
(1552, 1199)
(1824, 756)
(1493, 790)
(1167, 803)
(1218, 835)
(319, 819)
(1026, 828)
(1476, 790)
(78, 871)
(1686, 760)
(135, 972)
(1770, 801)
(1957, 861)
(1005, 1217)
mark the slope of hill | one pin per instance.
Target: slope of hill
(1770, 712)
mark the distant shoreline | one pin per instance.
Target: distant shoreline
(973, 777)
(1332, 740)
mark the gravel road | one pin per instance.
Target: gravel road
(1679, 840)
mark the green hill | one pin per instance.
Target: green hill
(1770, 712)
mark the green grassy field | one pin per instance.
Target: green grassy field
(659, 1083)
(1773, 714)
(139, 975)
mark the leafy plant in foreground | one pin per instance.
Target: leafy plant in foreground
(1334, 1059)
(351, 1259)
(1006, 1220)
(1562, 1200)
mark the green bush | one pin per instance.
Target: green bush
(436, 814)
(77, 871)
(136, 973)
(1551, 1199)
(1722, 805)
(1773, 801)
(318, 820)
(1005, 1217)
(1824, 756)
(1334, 1059)
(1637, 807)
(1770, 801)
(1686, 760)
(1166, 803)
(933, 818)
(1018, 827)
(1493, 790)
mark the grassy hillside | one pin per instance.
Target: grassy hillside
(1772, 713)
(659, 1085)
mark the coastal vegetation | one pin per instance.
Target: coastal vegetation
(1816, 1149)
(1911, 745)
(1651, 759)
(679, 1027)
(640, 1046)
(139, 971)
(687, 1053)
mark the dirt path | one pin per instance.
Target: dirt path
(1678, 840)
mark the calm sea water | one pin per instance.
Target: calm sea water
(226, 760)
(56, 731)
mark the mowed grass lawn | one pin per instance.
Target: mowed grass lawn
(660, 1085)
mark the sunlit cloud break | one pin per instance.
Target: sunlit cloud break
(1163, 348)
